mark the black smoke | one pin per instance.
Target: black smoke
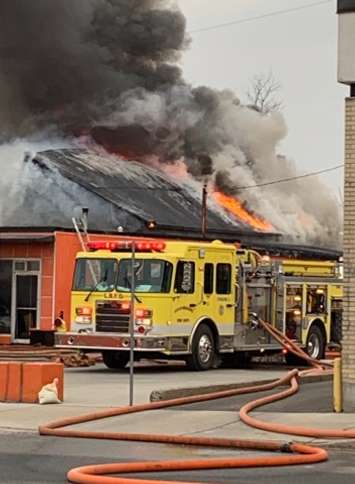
(109, 70)
(66, 63)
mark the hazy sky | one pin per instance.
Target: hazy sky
(301, 50)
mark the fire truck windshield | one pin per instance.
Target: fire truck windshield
(95, 275)
(150, 275)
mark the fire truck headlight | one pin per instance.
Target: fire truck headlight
(83, 320)
(144, 322)
(83, 315)
(144, 317)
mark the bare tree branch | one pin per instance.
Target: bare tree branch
(263, 94)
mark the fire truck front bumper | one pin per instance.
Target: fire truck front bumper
(95, 341)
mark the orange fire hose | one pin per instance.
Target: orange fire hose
(297, 453)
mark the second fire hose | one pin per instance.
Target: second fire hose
(289, 453)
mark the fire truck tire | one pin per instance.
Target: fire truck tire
(315, 345)
(337, 332)
(203, 350)
(115, 360)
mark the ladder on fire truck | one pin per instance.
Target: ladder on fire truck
(81, 229)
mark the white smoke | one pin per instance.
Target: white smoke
(15, 178)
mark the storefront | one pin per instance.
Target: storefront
(36, 270)
(26, 284)
(19, 297)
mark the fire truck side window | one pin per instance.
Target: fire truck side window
(208, 279)
(316, 300)
(185, 277)
(224, 278)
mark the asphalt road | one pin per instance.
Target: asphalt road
(312, 397)
(27, 458)
(30, 459)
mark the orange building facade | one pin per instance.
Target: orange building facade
(36, 270)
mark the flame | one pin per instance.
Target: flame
(175, 169)
(235, 207)
(178, 169)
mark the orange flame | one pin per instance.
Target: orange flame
(235, 207)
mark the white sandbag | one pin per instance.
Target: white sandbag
(49, 393)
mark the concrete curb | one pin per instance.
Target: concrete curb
(170, 394)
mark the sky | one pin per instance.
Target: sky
(299, 48)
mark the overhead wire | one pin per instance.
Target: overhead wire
(247, 187)
(259, 17)
(292, 178)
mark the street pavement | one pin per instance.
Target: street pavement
(28, 458)
(95, 388)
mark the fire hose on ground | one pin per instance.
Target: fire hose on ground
(293, 453)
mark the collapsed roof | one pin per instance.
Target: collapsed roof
(119, 194)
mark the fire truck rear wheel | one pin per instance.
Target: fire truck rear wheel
(115, 359)
(203, 350)
(315, 345)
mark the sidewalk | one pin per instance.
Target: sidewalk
(89, 390)
(92, 389)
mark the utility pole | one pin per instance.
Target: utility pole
(346, 75)
(132, 324)
(204, 209)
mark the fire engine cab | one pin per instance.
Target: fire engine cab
(192, 301)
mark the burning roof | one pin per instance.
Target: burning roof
(119, 194)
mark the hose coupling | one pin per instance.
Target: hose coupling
(286, 448)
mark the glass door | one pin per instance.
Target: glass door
(25, 306)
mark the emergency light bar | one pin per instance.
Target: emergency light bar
(122, 245)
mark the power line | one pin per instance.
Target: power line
(292, 178)
(259, 17)
(248, 187)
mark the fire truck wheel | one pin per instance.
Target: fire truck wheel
(115, 359)
(203, 350)
(315, 345)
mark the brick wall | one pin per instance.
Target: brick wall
(349, 259)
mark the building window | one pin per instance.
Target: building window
(5, 296)
(208, 279)
(20, 265)
(33, 266)
(224, 278)
(27, 266)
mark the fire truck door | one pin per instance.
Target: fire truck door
(218, 300)
(225, 293)
(187, 296)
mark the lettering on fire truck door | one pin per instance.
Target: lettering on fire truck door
(185, 292)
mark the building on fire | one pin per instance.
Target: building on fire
(38, 242)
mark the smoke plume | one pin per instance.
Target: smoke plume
(109, 69)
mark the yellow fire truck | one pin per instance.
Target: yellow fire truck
(192, 301)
